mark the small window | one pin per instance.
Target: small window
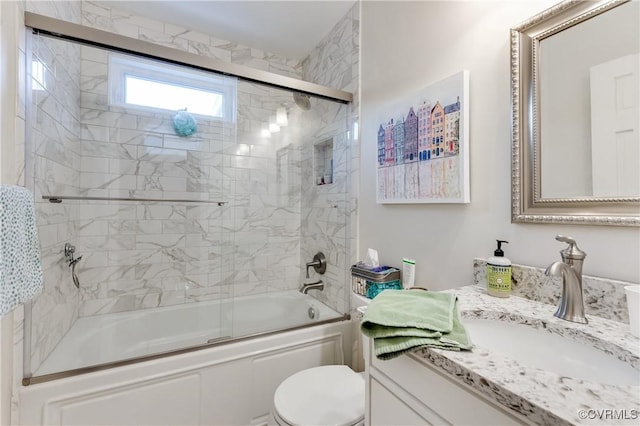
(149, 84)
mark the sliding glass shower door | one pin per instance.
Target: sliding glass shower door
(176, 207)
(126, 157)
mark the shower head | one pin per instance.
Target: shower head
(302, 100)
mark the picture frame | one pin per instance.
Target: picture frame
(423, 145)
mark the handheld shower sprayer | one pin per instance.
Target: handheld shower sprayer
(69, 250)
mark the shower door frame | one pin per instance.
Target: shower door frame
(86, 35)
(59, 29)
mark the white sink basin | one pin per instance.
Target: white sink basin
(540, 349)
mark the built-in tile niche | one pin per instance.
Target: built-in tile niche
(323, 162)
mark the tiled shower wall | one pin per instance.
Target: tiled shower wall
(266, 226)
(329, 211)
(151, 255)
(266, 208)
(255, 229)
(54, 169)
(141, 255)
(148, 255)
(104, 17)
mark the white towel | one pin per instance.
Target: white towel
(20, 268)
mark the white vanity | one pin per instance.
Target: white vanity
(410, 390)
(492, 385)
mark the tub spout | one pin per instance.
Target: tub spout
(318, 285)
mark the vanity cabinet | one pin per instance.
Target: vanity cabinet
(409, 390)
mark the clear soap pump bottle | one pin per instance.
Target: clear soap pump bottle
(499, 273)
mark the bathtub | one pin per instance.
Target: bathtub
(236, 355)
(110, 338)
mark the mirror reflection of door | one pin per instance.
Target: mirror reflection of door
(615, 127)
(565, 100)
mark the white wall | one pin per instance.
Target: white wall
(405, 47)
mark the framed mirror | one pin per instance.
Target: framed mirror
(575, 114)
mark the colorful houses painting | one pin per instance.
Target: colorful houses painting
(423, 147)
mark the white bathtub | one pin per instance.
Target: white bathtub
(109, 338)
(230, 383)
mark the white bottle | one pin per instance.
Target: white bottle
(408, 272)
(499, 273)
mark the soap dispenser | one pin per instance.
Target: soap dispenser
(499, 273)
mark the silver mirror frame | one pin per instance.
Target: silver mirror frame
(527, 205)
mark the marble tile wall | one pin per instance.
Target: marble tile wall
(334, 62)
(140, 255)
(602, 297)
(146, 255)
(329, 214)
(246, 247)
(108, 18)
(68, 10)
(266, 221)
(325, 210)
(265, 236)
(54, 141)
(168, 254)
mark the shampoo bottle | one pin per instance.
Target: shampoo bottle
(499, 273)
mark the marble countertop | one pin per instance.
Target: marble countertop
(541, 396)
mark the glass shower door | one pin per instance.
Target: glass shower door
(140, 188)
(291, 189)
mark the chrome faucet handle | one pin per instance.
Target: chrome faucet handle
(69, 249)
(571, 252)
(568, 240)
(319, 264)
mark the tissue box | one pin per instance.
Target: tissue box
(373, 289)
(368, 281)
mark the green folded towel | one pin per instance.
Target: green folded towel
(401, 320)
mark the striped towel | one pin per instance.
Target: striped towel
(20, 268)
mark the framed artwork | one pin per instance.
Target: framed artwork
(423, 145)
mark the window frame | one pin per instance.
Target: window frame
(120, 66)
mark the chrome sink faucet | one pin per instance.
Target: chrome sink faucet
(571, 306)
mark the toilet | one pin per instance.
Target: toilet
(326, 395)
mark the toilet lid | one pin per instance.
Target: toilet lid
(327, 395)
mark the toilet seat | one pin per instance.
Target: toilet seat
(327, 395)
